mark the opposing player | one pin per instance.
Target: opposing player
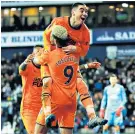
(31, 90)
(63, 70)
(78, 40)
(113, 102)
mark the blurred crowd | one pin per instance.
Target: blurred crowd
(96, 80)
(19, 25)
(91, 22)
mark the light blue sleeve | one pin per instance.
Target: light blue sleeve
(104, 99)
(123, 96)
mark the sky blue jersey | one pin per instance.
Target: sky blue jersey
(113, 98)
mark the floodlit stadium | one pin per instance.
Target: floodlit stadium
(111, 27)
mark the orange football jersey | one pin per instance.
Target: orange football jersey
(79, 37)
(63, 70)
(31, 88)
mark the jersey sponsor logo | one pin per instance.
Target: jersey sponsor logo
(37, 82)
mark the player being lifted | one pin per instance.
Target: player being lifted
(113, 102)
(60, 98)
(78, 40)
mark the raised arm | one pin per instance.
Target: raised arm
(24, 67)
(90, 65)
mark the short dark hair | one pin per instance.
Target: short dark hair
(77, 4)
(38, 45)
(113, 75)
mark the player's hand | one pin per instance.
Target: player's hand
(102, 113)
(49, 119)
(94, 65)
(29, 58)
(69, 49)
(118, 111)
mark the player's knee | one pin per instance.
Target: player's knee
(117, 128)
(47, 82)
(105, 127)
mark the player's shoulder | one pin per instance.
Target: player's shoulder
(119, 85)
(30, 64)
(51, 54)
(29, 67)
(107, 87)
(61, 19)
(57, 21)
(85, 27)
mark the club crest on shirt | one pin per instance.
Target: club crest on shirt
(37, 82)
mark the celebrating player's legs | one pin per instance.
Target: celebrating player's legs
(32, 88)
(114, 99)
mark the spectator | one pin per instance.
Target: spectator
(10, 114)
(33, 26)
(17, 22)
(42, 23)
